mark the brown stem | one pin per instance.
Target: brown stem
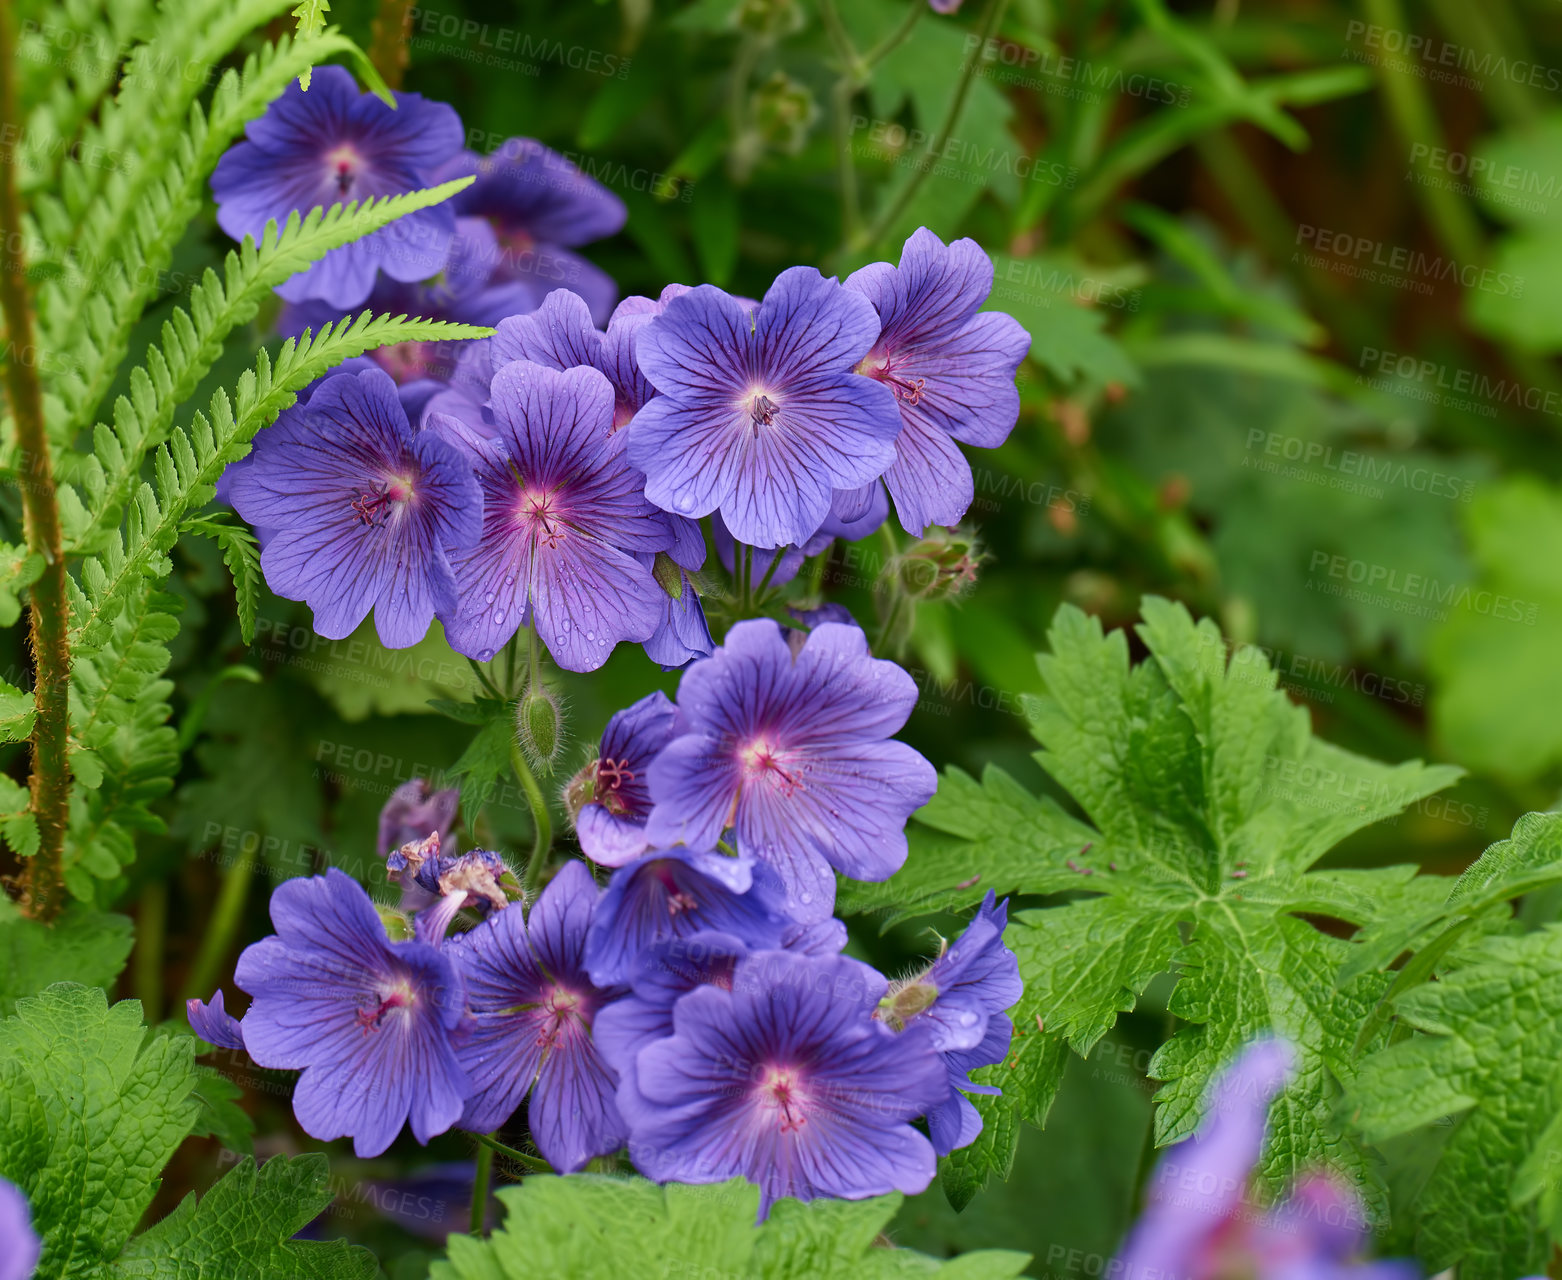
(389, 47)
(50, 606)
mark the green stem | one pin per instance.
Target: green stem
(542, 824)
(482, 678)
(886, 221)
(223, 924)
(151, 929)
(897, 37)
(840, 100)
(769, 573)
(49, 606)
(485, 1164)
(535, 1163)
(1410, 107)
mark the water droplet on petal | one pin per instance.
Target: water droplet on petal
(490, 597)
(498, 615)
(485, 655)
(591, 635)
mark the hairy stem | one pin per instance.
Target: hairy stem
(886, 220)
(542, 824)
(535, 1163)
(49, 782)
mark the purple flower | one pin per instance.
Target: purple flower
(787, 1080)
(20, 1247)
(611, 825)
(540, 205)
(463, 292)
(792, 753)
(360, 510)
(334, 145)
(414, 811)
(560, 335)
(682, 636)
(214, 1024)
(676, 893)
(760, 415)
(792, 557)
(562, 516)
(533, 1006)
(367, 1021)
(1198, 1221)
(451, 882)
(964, 997)
(662, 973)
(950, 368)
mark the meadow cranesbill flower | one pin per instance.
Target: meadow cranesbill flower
(334, 145)
(360, 510)
(562, 516)
(367, 1021)
(214, 1024)
(533, 1005)
(964, 997)
(951, 370)
(792, 753)
(20, 1247)
(540, 206)
(1199, 1222)
(610, 823)
(759, 415)
(678, 892)
(659, 975)
(788, 1081)
(452, 882)
(462, 292)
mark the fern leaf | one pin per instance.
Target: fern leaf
(186, 468)
(89, 309)
(241, 553)
(172, 371)
(310, 15)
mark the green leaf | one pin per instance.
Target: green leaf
(1487, 1069)
(241, 553)
(16, 713)
(1067, 334)
(591, 1227)
(80, 945)
(220, 1116)
(19, 569)
(1495, 670)
(485, 763)
(241, 1230)
(1207, 801)
(114, 1104)
(310, 15)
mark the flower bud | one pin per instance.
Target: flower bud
(539, 726)
(941, 566)
(905, 1000)
(581, 790)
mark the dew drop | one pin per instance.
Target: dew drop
(485, 655)
(498, 615)
(566, 624)
(591, 635)
(805, 898)
(490, 597)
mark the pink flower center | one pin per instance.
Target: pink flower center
(780, 1094)
(345, 165)
(611, 776)
(374, 507)
(678, 899)
(880, 368)
(398, 997)
(762, 762)
(558, 1007)
(539, 513)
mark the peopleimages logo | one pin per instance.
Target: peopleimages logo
(1430, 55)
(1393, 582)
(1375, 260)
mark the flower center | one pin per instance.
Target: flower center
(780, 1091)
(374, 506)
(879, 367)
(406, 361)
(345, 165)
(679, 899)
(558, 1007)
(762, 762)
(761, 409)
(540, 513)
(398, 997)
(613, 775)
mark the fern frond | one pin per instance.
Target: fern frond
(241, 553)
(186, 468)
(89, 315)
(145, 119)
(119, 719)
(66, 61)
(193, 340)
(310, 16)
